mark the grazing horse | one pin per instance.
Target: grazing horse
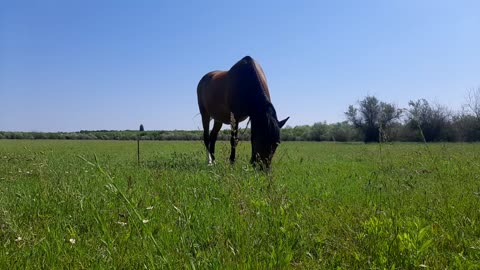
(229, 97)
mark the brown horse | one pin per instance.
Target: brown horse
(229, 97)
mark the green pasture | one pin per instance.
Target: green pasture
(88, 204)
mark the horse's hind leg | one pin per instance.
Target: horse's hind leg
(213, 138)
(206, 139)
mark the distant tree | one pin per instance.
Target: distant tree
(467, 127)
(467, 122)
(432, 122)
(319, 132)
(473, 102)
(373, 118)
(142, 132)
(297, 133)
(343, 132)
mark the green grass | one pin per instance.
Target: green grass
(324, 206)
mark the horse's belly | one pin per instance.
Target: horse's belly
(225, 118)
(220, 117)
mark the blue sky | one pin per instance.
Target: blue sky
(73, 65)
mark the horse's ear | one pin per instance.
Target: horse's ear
(282, 123)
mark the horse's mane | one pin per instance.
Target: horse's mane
(272, 123)
(268, 122)
(258, 75)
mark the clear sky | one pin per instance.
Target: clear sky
(73, 65)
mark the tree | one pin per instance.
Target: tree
(432, 122)
(343, 132)
(473, 102)
(298, 133)
(467, 127)
(373, 118)
(319, 132)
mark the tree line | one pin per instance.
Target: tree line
(378, 121)
(369, 120)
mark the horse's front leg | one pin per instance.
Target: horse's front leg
(233, 138)
(254, 158)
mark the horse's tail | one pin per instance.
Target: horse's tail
(200, 88)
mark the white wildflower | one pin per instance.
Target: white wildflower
(121, 223)
(145, 221)
(72, 240)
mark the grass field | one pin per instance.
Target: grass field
(87, 204)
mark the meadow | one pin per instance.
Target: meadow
(88, 204)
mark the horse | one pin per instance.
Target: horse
(229, 97)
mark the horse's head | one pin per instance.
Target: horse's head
(265, 139)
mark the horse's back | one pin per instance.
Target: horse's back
(212, 96)
(241, 90)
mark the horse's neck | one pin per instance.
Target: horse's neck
(258, 119)
(261, 117)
